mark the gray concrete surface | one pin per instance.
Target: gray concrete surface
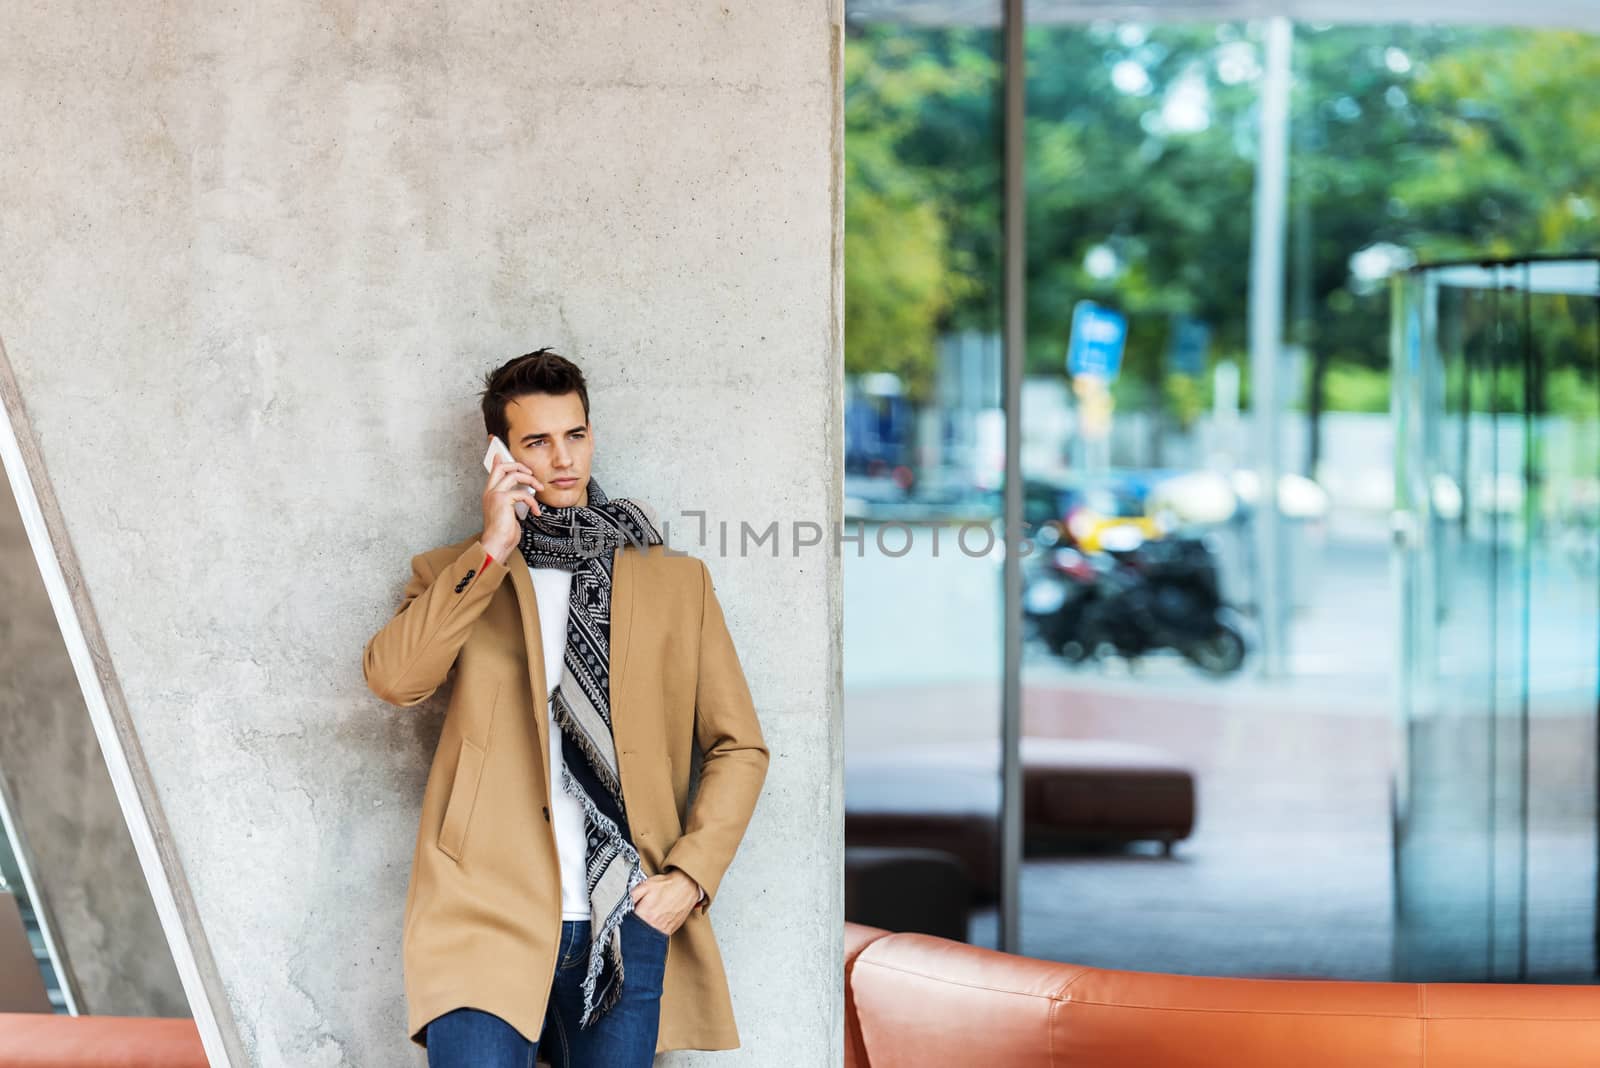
(256, 260)
(92, 893)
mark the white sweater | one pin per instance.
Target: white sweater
(552, 586)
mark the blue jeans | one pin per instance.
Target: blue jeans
(623, 1037)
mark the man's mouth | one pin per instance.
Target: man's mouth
(563, 482)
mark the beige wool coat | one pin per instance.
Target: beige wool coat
(483, 907)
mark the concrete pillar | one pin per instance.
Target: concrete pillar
(256, 260)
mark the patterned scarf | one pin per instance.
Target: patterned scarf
(581, 539)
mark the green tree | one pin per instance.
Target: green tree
(1515, 162)
(1141, 141)
(921, 237)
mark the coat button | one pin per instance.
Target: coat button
(546, 813)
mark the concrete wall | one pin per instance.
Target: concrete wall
(91, 892)
(255, 261)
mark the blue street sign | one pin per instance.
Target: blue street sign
(1097, 337)
(1186, 353)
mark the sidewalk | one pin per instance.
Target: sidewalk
(1288, 871)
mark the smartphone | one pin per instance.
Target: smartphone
(498, 448)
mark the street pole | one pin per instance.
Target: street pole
(1267, 243)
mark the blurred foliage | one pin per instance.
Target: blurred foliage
(1407, 141)
(1354, 388)
(922, 202)
(1564, 391)
(1186, 398)
(1482, 340)
(1515, 163)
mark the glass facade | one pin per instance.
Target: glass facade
(1226, 691)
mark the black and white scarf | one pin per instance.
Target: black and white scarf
(581, 539)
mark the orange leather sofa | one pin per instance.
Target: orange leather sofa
(49, 1040)
(915, 1000)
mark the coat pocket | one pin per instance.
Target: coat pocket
(463, 795)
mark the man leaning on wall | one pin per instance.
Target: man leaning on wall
(562, 877)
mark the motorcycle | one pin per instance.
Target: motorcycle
(1054, 599)
(1134, 599)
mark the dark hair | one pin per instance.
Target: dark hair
(540, 371)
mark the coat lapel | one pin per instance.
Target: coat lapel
(622, 564)
(533, 638)
(622, 583)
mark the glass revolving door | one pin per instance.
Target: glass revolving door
(1497, 529)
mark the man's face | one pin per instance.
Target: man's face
(550, 434)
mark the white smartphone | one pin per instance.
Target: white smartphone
(498, 448)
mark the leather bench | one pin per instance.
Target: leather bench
(913, 1000)
(1075, 790)
(925, 890)
(50, 1040)
(34, 1036)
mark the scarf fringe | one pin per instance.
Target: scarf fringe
(600, 942)
(597, 762)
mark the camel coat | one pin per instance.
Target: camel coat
(483, 908)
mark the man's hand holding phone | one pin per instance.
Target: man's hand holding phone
(510, 484)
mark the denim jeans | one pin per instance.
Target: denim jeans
(623, 1037)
